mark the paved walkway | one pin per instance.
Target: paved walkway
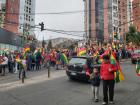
(11, 81)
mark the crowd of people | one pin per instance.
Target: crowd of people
(39, 60)
(34, 61)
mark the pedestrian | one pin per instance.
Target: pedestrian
(33, 63)
(38, 61)
(57, 60)
(95, 82)
(107, 75)
(4, 64)
(117, 55)
(10, 63)
(22, 67)
(138, 66)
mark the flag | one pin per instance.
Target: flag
(43, 51)
(112, 60)
(81, 52)
(118, 74)
(36, 50)
(100, 60)
(138, 69)
(64, 58)
(95, 54)
(105, 53)
(26, 49)
(18, 59)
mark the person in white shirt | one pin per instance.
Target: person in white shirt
(4, 64)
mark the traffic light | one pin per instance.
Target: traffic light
(42, 26)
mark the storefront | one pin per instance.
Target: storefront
(9, 40)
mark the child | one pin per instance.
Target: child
(95, 81)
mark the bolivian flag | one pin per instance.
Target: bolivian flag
(95, 54)
(81, 51)
(18, 59)
(138, 69)
(26, 49)
(64, 58)
(118, 75)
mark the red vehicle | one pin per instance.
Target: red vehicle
(134, 56)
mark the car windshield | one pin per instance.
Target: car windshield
(81, 61)
(137, 51)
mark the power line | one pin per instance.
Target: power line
(70, 12)
(66, 32)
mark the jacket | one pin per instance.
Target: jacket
(95, 81)
(105, 73)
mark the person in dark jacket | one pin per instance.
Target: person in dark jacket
(38, 61)
(95, 81)
(107, 75)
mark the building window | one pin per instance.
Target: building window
(124, 17)
(29, 18)
(116, 22)
(115, 1)
(30, 2)
(115, 14)
(12, 11)
(115, 8)
(119, 29)
(12, 0)
(124, 30)
(29, 10)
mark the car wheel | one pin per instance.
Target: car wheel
(70, 78)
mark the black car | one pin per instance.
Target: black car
(80, 68)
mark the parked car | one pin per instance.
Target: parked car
(80, 67)
(134, 56)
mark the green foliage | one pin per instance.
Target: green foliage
(49, 45)
(133, 36)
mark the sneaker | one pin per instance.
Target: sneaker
(104, 103)
(96, 100)
(111, 102)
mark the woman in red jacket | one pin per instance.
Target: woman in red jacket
(107, 75)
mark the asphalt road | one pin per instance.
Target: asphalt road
(58, 90)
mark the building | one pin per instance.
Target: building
(11, 21)
(136, 14)
(125, 16)
(101, 19)
(27, 16)
(2, 12)
(9, 40)
(18, 16)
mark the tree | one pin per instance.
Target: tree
(133, 36)
(49, 45)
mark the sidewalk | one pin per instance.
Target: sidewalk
(11, 81)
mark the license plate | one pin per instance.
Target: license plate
(73, 73)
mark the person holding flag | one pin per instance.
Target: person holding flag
(107, 75)
(138, 67)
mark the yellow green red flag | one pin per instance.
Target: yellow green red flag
(81, 51)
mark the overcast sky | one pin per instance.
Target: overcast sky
(68, 22)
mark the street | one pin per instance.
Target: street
(59, 90)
